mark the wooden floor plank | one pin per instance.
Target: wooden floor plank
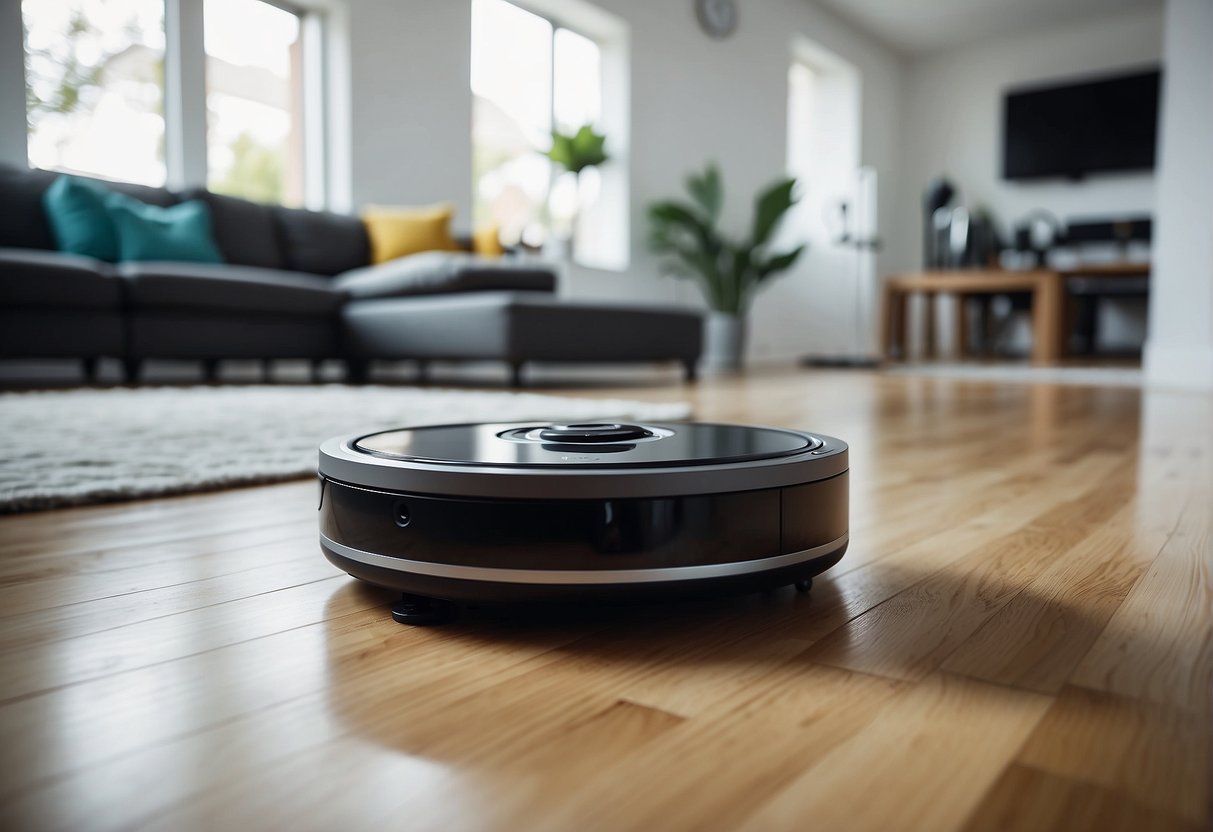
(907, 769)
(911, 634)
(1028, 800)
(1159, 644)
(1154, 754)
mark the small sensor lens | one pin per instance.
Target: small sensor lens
(400, 513)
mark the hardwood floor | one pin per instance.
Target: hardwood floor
(1018, 638)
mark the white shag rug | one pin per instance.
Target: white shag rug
(88, 446)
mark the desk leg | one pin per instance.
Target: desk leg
(1047, 320)
(960, 333)
(892, 325)
(928, 326)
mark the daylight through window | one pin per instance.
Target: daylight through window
(530, 75)
(94, 87)
(254, 101)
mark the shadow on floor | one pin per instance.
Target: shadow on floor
(377, 680)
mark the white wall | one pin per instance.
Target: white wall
(953, 124)
(1180, 350)
(12, 84)
(410, 102)
(692, 99)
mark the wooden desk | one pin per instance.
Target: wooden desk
(1048, 298)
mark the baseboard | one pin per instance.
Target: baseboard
(1185, 367)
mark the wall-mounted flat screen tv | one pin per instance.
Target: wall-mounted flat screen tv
(1070, 130)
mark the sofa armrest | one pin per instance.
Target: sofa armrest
(444, 272)
(35, 277)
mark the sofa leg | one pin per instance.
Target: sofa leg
(690, 370)
(210, 370)
(267, 370)
(89, 366)
(132, 369)
(313, 370)
(357, 371)
(516, 373)
(423, 372)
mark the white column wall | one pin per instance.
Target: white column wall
(12, 85)
(1179, 352)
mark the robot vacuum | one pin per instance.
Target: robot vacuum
(526, 512)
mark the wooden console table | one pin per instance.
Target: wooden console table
(1049, 302)
(1048, 298)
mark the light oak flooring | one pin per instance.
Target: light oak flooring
(1018, 638)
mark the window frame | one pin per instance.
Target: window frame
(185, 105)
(610, 35)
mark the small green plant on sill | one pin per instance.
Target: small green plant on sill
(577, 151)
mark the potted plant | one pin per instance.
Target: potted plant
(575, 152)
(728, 271)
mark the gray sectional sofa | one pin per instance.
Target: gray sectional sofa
(298, 284)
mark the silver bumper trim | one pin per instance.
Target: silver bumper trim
(581, 576)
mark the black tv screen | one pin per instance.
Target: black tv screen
(1109, 124)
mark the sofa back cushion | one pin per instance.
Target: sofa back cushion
(321, 243)
(245, 231)
(23, 222)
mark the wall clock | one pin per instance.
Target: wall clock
(718, 18)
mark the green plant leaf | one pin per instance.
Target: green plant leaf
(729, 272)
(769, 208)
(578, 151)
(562, 150)
(675, 216)
(707, 190)
(779, 262)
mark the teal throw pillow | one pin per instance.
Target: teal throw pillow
(79, 220)
(180, 232)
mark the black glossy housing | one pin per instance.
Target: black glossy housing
(622, 534)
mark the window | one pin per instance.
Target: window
(94, 87)
(253, 100)
(531, 74)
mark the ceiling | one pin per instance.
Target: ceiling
(915, 27)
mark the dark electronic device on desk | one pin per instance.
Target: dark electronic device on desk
(1123, 278)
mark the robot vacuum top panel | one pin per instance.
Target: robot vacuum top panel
(581, 460)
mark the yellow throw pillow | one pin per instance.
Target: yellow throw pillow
(396, 231)
(486, 241)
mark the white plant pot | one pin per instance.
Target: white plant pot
(724, 342)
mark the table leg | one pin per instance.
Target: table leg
(1047, 319)
(987, 326)
(960, 332)
(892, 325)
(928, 326)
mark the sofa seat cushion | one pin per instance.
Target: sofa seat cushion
(444, 272)
(318, 242)
(519, 326)
(29, 277)
(164, 285)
